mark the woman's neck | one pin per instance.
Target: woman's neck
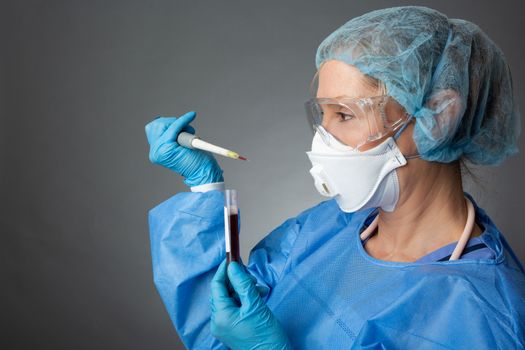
(431, 213)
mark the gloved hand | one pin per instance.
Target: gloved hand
(250, 325)
(196, 166)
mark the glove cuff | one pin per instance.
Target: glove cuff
(219, 186)
(206, 176)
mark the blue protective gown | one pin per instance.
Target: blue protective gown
(328, 293)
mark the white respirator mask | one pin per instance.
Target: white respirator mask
(357, 180)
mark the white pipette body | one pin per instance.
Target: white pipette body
(188, 140)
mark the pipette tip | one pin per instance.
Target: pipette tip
(235, 155)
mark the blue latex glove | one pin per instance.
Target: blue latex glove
(250, 325)
(196, 166)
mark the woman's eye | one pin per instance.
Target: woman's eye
(344, 117)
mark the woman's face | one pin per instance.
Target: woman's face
(340, 80)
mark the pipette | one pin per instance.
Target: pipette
(188, 140)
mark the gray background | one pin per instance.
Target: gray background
(79, 81)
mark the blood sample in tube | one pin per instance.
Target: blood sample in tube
(231, 226)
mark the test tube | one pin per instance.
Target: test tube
(231, 226)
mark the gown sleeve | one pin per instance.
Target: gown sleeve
(187, 246)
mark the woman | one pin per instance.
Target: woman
(399, 257)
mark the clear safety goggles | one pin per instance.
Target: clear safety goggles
(355, 122)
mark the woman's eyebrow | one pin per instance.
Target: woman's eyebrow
(333, 108)
(352, 97)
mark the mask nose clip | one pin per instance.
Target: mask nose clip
(322, 182)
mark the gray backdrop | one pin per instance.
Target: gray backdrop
(79, 81)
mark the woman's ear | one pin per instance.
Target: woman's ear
(447, 108)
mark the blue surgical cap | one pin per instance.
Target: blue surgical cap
(447, 73)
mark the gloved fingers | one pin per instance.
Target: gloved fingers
(261, 289)
(189, 128)
(169, 120)
(157, 126)
(244, 285)
(154, 129)
(170, 135)
(219, 292)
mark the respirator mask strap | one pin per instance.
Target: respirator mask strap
(398, 133)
